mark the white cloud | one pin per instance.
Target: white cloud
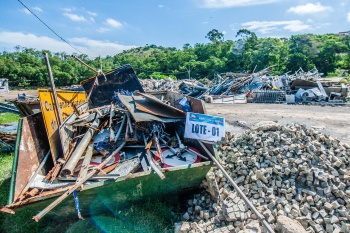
(224, 32)
(92, 19)
(349, 17)
(265, 27)
(309, 8)
(160, 6)
(75, 17)
(92, 13)
(92, 48)
(38, 9)
(68, 9)
(114, 23)
(233, 3)
(25, 11)
(102, 29)
(97, 47)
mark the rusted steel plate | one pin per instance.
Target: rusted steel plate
(156, 108)
(140, 116)
(156, 105)
(67, 101)
(173, 98)
(32, 149)
(197, 105)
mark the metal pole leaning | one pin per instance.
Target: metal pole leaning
(53, 91)
(239, 191)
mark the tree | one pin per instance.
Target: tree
(215, 36)
(301, 54)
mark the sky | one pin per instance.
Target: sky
(107, 27)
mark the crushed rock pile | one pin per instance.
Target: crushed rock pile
(286, 171)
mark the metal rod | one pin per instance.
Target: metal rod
(111, 131)
(129, 123)
(178, 139)
(86, 65)
(76, 155)
(96, 177)
(150, 160)
(239, 191)
(77, 185)
(53, 90)
(87, 159)
(120, 128)
(170, 147)
(196, 153)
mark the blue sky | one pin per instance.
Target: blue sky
(106, 27)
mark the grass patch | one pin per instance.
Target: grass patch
(6, 117)
(152, 216)
(6, 160)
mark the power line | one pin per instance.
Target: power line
(50, 28)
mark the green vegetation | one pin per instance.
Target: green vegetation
(5, 171)
(153, 216)
(329, 53)
(6, 117)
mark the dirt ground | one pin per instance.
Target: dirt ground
(330, 120)
(14, 94)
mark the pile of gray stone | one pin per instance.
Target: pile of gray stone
(286, 172)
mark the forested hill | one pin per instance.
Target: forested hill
(328, 53)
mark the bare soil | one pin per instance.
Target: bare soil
(14, 94)
(330, 120)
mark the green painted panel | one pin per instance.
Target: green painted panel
(110, 195)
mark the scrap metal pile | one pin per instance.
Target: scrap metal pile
(260, 87)
(167, 84)
(131, 133)
(124, 131)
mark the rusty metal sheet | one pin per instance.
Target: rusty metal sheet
(173, 98)
(140, 116)
(32, 149)
(156, 108)
(197, 105)
(159, 108)
(67, 101)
